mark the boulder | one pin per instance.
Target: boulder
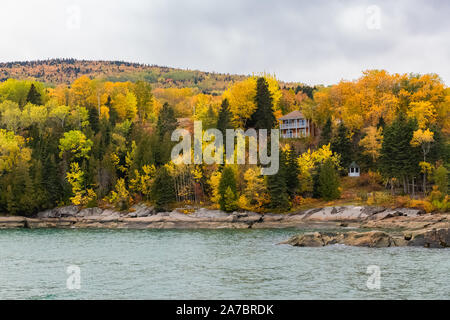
(435, 238)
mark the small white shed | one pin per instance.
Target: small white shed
(353, 170)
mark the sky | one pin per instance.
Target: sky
(314, 42)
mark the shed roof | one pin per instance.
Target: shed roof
(353, 165)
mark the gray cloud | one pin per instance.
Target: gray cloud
(308, 41)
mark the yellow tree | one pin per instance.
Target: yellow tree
(424, 112)
(12, 150)
(372, 142)
(423, 139)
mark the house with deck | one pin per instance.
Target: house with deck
(295, 125)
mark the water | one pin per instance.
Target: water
(209, 264)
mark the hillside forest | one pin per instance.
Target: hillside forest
(106, 142)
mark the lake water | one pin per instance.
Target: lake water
(209, 264)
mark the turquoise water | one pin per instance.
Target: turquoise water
(209, 264)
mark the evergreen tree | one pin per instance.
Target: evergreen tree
(325, 135)
(113, 115)
(263, 117)
(381, 123)
(167, 122)
(224, 117)
(34, 96)
(163, 191)
(328, 181)
(230, 201)
(227, 180)
(94, 119)
(51, 182)
(292, 172)
(342, 145)
(398, 158)
(277, 188)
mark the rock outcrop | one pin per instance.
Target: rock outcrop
(372, 239)
(436, 238)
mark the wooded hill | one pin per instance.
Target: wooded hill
(65, 71)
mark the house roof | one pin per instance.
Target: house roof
(292, 115)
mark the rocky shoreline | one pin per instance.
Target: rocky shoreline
(142, 216)
(385, 227)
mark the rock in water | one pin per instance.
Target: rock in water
(373, 239)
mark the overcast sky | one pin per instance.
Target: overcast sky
(308, 41)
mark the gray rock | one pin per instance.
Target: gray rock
(370, 211)
(110, 213)
(411, 212)
(68, 211)
(50, 213)
(88, 212)
(206, 213)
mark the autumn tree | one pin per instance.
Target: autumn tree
(372, 142)
(423, 139)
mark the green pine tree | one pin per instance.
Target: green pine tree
(227, 180)
(328, 182)
(94, 119)
(167, 122)
(277, 188)
(34, 96)
(342, 145)
(113, 115)
(325, 135)
(398, 158)
(292, 172)
(163, 191)
(230, 201)
(224, 117)
(263, 117)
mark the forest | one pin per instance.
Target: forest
(103, 142)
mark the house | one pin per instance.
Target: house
(295, 125)
(353, 170)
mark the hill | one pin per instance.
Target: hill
(58, 71)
